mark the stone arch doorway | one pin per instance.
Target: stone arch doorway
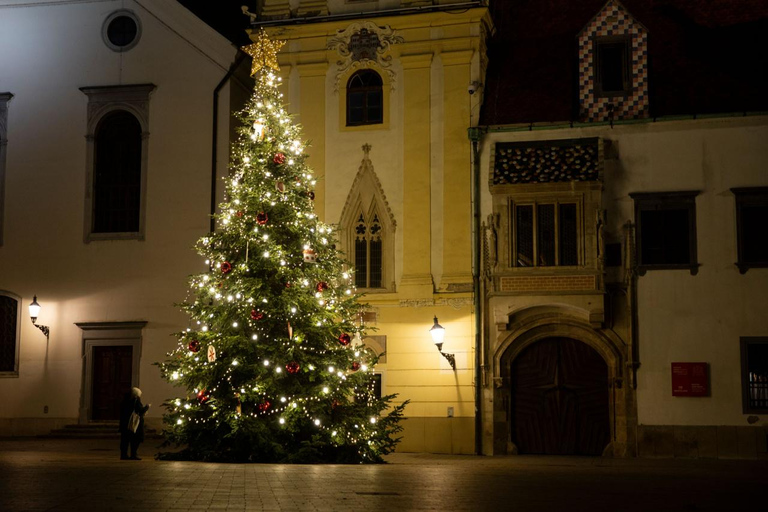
(560, 399)
(525, 328)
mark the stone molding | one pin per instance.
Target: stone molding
(101, 101)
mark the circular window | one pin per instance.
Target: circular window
(121, 31)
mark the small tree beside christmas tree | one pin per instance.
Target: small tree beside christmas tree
(273, 365)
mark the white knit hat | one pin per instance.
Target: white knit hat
(136, 392)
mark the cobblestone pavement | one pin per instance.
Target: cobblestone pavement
(86, 475)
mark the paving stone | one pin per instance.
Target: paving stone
(69, 476)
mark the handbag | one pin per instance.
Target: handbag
(133, 421)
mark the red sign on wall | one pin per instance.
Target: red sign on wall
(689, 379)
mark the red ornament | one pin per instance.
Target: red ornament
(335, 404)
(311, 195)
(292, 367)
(239, 214)
(203, 396)
(288, 285)
(279, 158)
(355, 366)
(263, 406)
(344, 339)
(226, 267)
(261, 218)
(321, 286)
(256, 315)
(194, 346)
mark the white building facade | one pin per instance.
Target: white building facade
(115, 121)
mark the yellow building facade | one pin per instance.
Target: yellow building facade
(386, 102)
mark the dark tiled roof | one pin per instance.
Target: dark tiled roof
(705, 56)
(546, 161)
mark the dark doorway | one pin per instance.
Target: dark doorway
(560, 399)
(112, 372)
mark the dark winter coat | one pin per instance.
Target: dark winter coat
(129, 405)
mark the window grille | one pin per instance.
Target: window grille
(754, 374)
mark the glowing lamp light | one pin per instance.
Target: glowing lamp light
(34, 312)
(438, 335)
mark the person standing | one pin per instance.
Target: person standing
(131, 403)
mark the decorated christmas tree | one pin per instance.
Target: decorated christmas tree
(272, 364)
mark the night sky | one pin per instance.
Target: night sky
(225, 16)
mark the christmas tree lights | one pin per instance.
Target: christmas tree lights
(272, 363)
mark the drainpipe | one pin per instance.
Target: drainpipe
(475, 135)
(215, 131)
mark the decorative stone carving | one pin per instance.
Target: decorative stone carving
(456, 304)
(362, 44)
(493, 241)
(416, 303)
(600, 221)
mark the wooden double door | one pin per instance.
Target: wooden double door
(112, 377)
(560, 395)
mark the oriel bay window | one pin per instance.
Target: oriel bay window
(545, 234)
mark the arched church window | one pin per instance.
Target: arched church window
(117, 174)
(365, 100)
(9, 334)
(368, 251)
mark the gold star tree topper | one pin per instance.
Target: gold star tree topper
(264, 52)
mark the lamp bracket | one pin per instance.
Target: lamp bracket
(45, 330)
(451, 359)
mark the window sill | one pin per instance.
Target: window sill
(754, 411)
(365, 127)
(100, 237)
(693, 267)
(366, 291)
(9, 375)
(743, 267)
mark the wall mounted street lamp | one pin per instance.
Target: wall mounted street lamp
(438, 333)
(34, 311)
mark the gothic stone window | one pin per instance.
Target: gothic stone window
(368, 230)
(751, 222)
(116, 161)
(368, 251)
(365, 100)
(666, 230)
(10, 315)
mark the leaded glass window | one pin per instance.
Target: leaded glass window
(368, 256)
(545, 234)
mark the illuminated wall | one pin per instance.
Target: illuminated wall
(53, 50)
